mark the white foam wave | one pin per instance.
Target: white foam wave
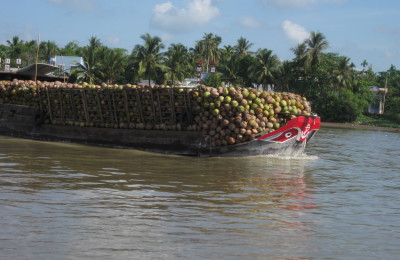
(302, 156)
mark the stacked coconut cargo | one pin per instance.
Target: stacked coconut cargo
(228, 115)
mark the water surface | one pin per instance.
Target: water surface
(66, 201)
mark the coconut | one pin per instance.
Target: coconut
(238, 96)
(214, 93)
(225, 122)
(232, 91)
(231, 140)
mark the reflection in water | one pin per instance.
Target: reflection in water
(112, 203)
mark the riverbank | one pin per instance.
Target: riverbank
(359, 126)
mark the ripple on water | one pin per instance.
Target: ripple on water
(340, 200)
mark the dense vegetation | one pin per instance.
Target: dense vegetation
(338, 91)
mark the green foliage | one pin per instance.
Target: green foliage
(330, 81)
(264, 69)
(391, 80)
(71, 49)
(177, 62)
(341, 106)
(214, 80)
(208, 50)
(378, 120)
(148, 57)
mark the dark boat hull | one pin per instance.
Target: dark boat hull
(26, 122)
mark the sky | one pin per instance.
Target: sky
(359, 29)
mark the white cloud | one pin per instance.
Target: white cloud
(84, 5)
(249, 22)
(166, 37)
(167, 16)
(294, 31)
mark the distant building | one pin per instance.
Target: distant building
(66, 62)
(145, 82)
(378, 106)
(43, 72)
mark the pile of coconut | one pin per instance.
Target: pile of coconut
(233, 115)
(229, 115)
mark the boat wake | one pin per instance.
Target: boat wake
(302, 156)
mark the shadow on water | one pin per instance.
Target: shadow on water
(76, 166)
(262, 181)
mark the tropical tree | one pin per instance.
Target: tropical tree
(301, 56)
(112, 63)
(47, 50)
(148, 57)
(343, 75)
(230, 65)
(391, 79)
(243, 46)
(208, 48)
(284, 75)
(91, 67)
(3, 50)
(315, 44)
(177, 60)
(28, 55)
(263, 70)
(364, 64)
(15, 47)
(71, 49)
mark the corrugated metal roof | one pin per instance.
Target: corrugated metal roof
(42, 69)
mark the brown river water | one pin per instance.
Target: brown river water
(340, 200)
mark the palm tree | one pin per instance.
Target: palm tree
(243, 46)
(148, 56)
(314, 46)
(364, 64)
(230, 64)
(47, 50)
(112, 63)
(208, 48)
(265, 67)
(3, 50)
(301, 55)
(15, 47)
(343, 75)
(178, 62)
(285, 75)
(71, 49)
(28, 54)
(94, 42)
(91, 59)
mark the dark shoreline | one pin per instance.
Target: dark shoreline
(358, 126)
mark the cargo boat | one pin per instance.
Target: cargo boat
(25, 122)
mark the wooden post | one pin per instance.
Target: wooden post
(140, 105)
(159, 106)
(85, 106)
(60, 101)
(37, 58)
(172, 104)
(114, 108)
(49, 105)
(99, 106)
(126, 106)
